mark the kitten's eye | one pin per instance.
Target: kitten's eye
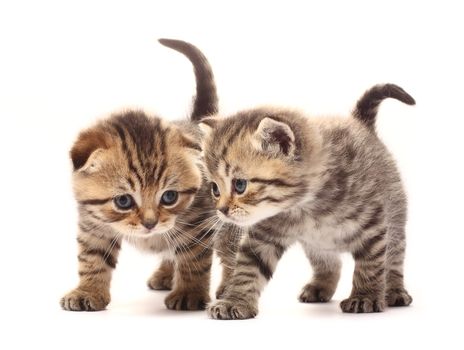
(124, 202)
(240, 185)
(169, 197)
(215, 189)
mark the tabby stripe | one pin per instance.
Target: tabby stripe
(82, 242)
(257, 261)
(160, 169)
(374, 220)
(95, 201)
(91, 272)
(275, 182)
(245, 274)
(279, 248)
(138, 147)
(236, 282)
(117, 217)
(395, 274)
(368, 245)
(128, 154)
(229, 141)
(379, 254)
(270, 199)
(82, 259)
(107, 258)
(86, 228)
(191, 190)
(93, 216)
(131, 183)
(350, 239)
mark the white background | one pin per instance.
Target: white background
(65, 64)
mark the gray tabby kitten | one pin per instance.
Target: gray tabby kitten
(329, 184)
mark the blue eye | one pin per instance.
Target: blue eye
(240, 185)
(215, 189)
(124, 202)
(169, 197)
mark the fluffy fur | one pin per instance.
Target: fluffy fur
(329, 184)
(139, 159)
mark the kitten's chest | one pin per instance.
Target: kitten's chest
(154, 244)
(327, 233)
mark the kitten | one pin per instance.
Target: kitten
(329, 184)
(139, 178)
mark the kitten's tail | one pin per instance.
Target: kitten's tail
(206, 100)
(366, 108)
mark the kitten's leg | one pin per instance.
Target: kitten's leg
(226, 247)
(326, 273)
(256, 261)
(162, 277)
(191, 281)
(369, 279)
(227, 261)
(396, 293)
(97, 259)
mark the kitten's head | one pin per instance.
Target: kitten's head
(255, 163)
(135, 174)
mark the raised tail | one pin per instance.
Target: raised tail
(206, 100)
(366, 108)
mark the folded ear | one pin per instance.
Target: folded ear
(86, 154)
(274, 137)
(208, 124)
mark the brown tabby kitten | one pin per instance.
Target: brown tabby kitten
(329, 184)
(138, 178)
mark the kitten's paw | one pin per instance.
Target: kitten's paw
(231, 310)
(160, 281)
(80, 300)
(363, 304)
(398, 297)
(187, 300)
(315, 294)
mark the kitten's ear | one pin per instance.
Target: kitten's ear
(274, 137)
(88, 150)
(182, 139)
(207, 125)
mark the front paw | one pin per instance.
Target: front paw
(315, 294)
(187, 300)
(363, 304)
(81, 300)
(231, 310)
(398, 297)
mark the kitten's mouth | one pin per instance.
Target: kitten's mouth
(239, 221)
(148, 233)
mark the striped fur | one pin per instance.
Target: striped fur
(143, 156)
(329, 184)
